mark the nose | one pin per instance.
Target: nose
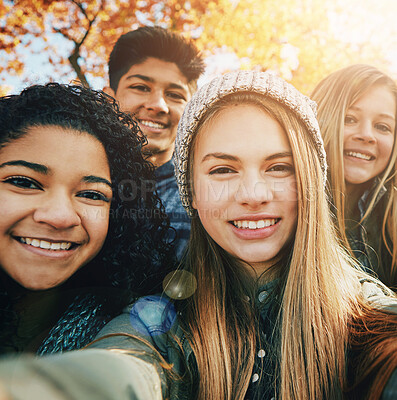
(58, 211)
(255, 190)
(365, 133)
(156, 102)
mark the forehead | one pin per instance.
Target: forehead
(243, 128)
(159, 72)
(58, 147)
(379, 96)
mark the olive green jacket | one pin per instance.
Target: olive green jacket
(130, 360)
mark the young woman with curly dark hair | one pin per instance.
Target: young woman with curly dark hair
(82, 231)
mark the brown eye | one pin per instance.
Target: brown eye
(176, 96)
(383, 128)
(23, 182)
(282, 169)
(93, 195)
(349, 119)
(140, 88)
(221, 170)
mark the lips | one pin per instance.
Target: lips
(359, 155)
(46, 244)
(152, 124)
(257, 224)
(255, 227)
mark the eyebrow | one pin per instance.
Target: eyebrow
(40, 168)
(224, 156)
(96, 179)
(389, 116)
(151, 80)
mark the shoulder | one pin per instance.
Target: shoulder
(155, 313)
(148, 321)
(378, 295)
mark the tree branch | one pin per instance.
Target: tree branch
(74, 57)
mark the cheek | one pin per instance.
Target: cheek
(211, 200)
(96, 223)
(287, 190)
(213, 197)
(128, 102)
(347, 133)
(213, 224)
(387, 147)
(177, 112)
(290, 200)
(14, 208)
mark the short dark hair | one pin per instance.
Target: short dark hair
(136, 46)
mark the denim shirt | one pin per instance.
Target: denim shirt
(168, 191)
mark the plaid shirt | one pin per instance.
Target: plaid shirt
(167, 189)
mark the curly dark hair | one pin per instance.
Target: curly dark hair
(135, 255)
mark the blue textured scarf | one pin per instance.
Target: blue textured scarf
(77, 327)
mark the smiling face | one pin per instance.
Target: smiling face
(368, 137)
(244, 184)
(156, 92)
(55, 198)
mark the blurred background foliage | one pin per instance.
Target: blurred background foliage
(302, 40)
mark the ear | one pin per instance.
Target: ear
(194, 203)
(108, 90)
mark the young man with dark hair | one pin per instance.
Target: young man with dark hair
(153, 72)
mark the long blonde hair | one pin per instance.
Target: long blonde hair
(334, 95)
(318, 289)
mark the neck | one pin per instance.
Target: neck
(263, 271)
(160, 158)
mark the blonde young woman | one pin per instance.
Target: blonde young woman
(266, 304)
(357, 112)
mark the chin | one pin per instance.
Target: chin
(38, 285)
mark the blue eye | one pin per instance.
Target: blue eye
(23, 182)
(93, 195)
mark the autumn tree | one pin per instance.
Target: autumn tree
(88, 28)
(302, 40)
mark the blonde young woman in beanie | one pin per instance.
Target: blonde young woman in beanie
(357, 112)
(266, 304)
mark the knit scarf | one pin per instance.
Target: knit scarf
(77, 327)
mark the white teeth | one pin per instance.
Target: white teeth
(152, 124)
(43, 244)
(262, 223)
(251, 225)
(358, 155)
